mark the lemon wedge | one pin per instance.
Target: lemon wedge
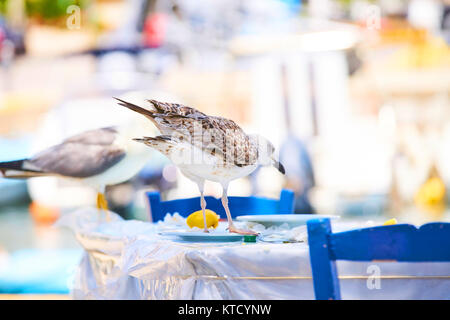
(195, 219)
(390, 222)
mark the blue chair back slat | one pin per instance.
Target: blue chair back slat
(403, 242)
(252, 205)
(237, 205)
(154, 199)
(324, 272)
(286, 204)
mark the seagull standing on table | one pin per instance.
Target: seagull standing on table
(206, 147)
(98, 158)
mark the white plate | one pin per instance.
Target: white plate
(293, 220)
(200, 236)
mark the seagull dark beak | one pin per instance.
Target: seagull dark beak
(279, 166)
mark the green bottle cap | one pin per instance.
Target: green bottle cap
(249, 238)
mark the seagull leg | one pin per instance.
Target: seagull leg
(104, 206)
(102, 203)
(203, 204)
(231, 226)
(99, 205)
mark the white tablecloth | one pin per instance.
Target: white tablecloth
(129, 260)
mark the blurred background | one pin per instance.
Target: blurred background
(353, 93)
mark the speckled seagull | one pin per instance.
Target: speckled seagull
(98, 158)
(226, 151)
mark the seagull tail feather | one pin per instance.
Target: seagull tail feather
(159, 143)
(157, 139)
(136, 108)
(15, 170)
(145, 112)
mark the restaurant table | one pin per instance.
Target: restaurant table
(130, 260)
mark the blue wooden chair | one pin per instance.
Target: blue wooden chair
(401, 242)
(237, 205)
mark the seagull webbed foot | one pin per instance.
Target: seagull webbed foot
(233, 229)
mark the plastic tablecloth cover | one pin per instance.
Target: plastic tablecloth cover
(128, 259)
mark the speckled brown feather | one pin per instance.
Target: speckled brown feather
(186, 123)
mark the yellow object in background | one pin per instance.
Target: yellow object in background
(432, 192)
(390, 222)
(196, 219)
(430, 197)
(423, 52)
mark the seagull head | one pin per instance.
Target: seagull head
(266, 153)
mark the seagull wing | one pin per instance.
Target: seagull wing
(165, 108)
(81, 156)
(102, 136)
(217, 136)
